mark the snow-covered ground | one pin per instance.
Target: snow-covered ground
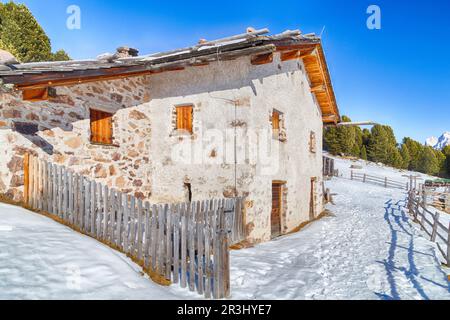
(41, 259)
(367, 249)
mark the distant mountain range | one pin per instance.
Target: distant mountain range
(439, 143)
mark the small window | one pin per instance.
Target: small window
(277, 120)
(312, 142)
(184, 118)
(101, 127)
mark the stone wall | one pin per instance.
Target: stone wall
(232, 102)
(59, 130)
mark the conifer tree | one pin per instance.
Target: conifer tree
(406, 158)
(428, 163)
(22, 35)
(364, 153)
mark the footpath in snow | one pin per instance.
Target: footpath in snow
(368, 249)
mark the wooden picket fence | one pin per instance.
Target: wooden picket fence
(383, 181)
(430, 222)
(439, 200)
(184, 243)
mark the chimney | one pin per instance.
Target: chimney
(7, 58)
(126, 52)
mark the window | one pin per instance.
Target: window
(312, 142)
(101, 127)
(277, 119)
(184, 118)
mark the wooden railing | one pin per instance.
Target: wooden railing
(383, 181)
(430, 222)
(184, 243)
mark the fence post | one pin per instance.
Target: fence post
(364, 178)
(435, 226)
(385, 182)
(351, 177)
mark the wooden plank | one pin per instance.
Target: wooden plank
(36, 182)
(26, 178)
(216, 253)
(70, 196)
(140, 229)
(99, 206)
(207, 248)
(200, 241)
(147, 237)
(41, 184)
(119, 226)
(169, 243)
(60, 192)
(87, 206)
(55, 189)
(162, 210)
(93, 207)
(126, 224)
(176, 244)
(49, 188)
(44, 186)
(132, 238)
(105, 211)
(191, 245)
(112, 216)
(82, 203)
(154, 237)
(184, 233)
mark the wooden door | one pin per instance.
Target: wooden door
(277, 192)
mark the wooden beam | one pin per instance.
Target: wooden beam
(319, 88)
(262, 59)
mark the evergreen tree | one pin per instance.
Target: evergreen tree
(22, 35)
(415, 149)
(382, 145)
(428, 163)
(446, 153)
(441, 158)
(364, 153)
(406, 158)
(60, 55)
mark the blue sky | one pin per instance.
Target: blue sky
(399, 75)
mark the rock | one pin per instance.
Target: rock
(3, 124)
(137, 115)
(139, 195)
(26, 128)
(116, 97)
(137, 183)
(120, 182)
(116, 156)
(16, 181)
(49, 133)
(112, 170)
(133, 154)
(63, 99)
(32, 116)
(73, 143)
(75, 115)
(16, 164)
(100, 172)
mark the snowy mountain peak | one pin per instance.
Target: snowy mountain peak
(439, 143)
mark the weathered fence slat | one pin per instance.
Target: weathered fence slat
(187, 243)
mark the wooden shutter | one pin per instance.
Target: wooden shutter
(275, 120)
(184, 118)
(101, 127)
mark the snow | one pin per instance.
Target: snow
(367, 248)
(41, 259)
(439, 143)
